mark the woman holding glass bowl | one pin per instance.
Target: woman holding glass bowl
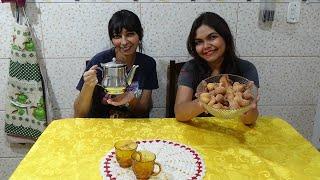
(211, 45)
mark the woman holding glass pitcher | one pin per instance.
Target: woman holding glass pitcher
(211, 45)
(125, 33)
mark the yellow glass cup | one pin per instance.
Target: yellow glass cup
(124, 149)
(143, 164)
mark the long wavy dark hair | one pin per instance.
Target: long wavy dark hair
(127, 20)
(216, 22)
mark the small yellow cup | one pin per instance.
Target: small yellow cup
(143, 164)
(124, 150)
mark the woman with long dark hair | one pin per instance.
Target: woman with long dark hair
(211, 45)
(126, 34)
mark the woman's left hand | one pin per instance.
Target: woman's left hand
(251, 116)
(121, 99)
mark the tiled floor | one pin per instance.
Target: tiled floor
(7, 166)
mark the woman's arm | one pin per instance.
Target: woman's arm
(143, 104)
(185, 108)
(251, 116)
(82, 104)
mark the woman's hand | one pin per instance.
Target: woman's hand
(90, 77)
(251, 116)
(121, 99)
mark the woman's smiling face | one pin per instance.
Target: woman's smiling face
(126, 42)
(209, 45)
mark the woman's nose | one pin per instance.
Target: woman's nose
(206, 44)
(123, 40)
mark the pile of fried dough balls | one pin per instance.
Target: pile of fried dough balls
(227, 94)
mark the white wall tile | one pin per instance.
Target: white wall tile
(67, 113)
(167, 25)
(6, 22)
(287, 80)
(300, 39)
(4, 73)
(7, 166)
(300, 117)
(83, 30)
(159, 95)
(158, 113)
(316, 127)
(317, 80)
(64, 75)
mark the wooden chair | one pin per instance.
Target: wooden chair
(173, 71)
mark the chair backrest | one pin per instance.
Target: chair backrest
(173, 71)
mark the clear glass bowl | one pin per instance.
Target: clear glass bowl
(225, 113)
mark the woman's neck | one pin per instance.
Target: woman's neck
(216, 66)
(126, 59)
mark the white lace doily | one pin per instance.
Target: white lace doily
(177, 161)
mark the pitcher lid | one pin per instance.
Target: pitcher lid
(114, 64)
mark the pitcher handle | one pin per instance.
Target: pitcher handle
(100, 69)
(102, 72)
(156, 173)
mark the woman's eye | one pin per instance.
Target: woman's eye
(116, 36)
(198, 42)
(212, 37)
(130, 34)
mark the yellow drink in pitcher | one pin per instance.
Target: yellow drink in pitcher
(115, 90)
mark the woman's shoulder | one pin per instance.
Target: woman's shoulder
(249, 70)
(245, 65)
(104, 56)
(190, 65)
(143, 59)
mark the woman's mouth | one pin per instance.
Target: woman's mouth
(208, 53)
(125, 48)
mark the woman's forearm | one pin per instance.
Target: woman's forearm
(136, 106)
(82, 104)
(187, 110)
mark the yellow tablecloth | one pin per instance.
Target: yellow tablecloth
(73, 148)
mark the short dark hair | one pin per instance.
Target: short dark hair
(127, 20)
(216, 22)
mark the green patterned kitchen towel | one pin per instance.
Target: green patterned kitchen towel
(25, 105)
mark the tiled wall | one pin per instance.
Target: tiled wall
(287, 56)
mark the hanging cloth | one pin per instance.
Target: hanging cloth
(20, 3)
(26, 116)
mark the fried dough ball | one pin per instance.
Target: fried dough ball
(225, 81)
(248, 94)
(233, 104)
(205, 98)
(220, 90)
(217, 106)
(238, 87)
(219, 98)
(211, 86)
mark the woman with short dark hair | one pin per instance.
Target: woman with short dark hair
(126, 34)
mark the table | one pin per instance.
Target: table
(73, 148)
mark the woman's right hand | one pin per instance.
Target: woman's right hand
(90, 77)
